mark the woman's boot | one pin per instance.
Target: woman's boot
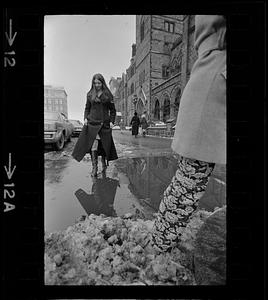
(104, 166)
(94, 158)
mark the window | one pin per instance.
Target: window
(49, 107)
(49, 101)
(166, 48)
(142, 77)
(132, 88)
(165, 71)
(166, 109)
(56, 101)
(157, 110)
(169, 26)
(142, 31)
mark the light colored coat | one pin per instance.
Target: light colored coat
(201, 124)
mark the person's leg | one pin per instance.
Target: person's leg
(104, 165)
(94, 158)
(180, 201)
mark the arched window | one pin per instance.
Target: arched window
(166, 109)
(142, 31)
(132, 88)
(157, 110)
(165, 71)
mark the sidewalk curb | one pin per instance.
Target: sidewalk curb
(156, 136)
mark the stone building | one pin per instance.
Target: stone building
(160, 66)
(155, 34)
(165, 97)
(131, 79)
(55, 99)
(122, 102)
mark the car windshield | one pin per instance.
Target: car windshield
(51, 116)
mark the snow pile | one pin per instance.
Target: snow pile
(112, 251)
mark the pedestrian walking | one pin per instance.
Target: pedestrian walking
(135, 123)
(200, 135)
(144, 124)
(99, 117)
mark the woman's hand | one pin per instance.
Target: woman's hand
(85, 122)
(111, 125)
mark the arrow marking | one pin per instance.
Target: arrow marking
(9, 171)
(9, 37)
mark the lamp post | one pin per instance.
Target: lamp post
(134, 101)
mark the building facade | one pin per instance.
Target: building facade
(160, 66)
(155, 35)
(55, 99)
(131, 78)
(122, 102)
(165, 98)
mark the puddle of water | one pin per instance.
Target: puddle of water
(130, 184)
(150, 176)
(72, 193)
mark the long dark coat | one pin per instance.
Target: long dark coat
(201, 124)
(99, 116)
(135, 123)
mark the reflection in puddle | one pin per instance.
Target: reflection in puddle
(131, 184)
(101, 198)
(148, 177)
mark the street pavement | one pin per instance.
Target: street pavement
(134, 182)
(128, 145)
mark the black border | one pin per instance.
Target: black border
(22, 135)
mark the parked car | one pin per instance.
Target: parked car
(58, 129)
(78, 125)
(116, 127)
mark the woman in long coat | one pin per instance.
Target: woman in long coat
(99, 117)
(200, 135)
(135, 123)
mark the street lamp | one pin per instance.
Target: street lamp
(134, 101)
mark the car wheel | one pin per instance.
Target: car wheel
(60, 143)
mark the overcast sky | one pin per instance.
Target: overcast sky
(77, 47)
